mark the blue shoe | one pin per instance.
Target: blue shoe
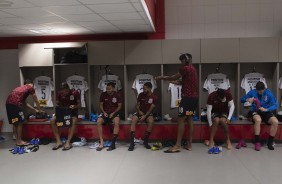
(211, 150)
(64, 140)
(32, 141)
(216, 150)
(15, 150)
(21, 150)
(36, 141)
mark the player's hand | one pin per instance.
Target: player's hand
(111, 115)
(142, 118)
(141, 113)
(36, 110)
(105, 114)
(263, 109)
(228, 121)
(251, 100)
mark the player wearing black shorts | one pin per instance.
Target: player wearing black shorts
(110, 105)
(189, 101)
(16, 103)
(146, 102)
(263, 105)
(68, 102)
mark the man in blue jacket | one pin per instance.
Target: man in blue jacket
(263, 105)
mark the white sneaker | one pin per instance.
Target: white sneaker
(95, 145)
(129, 117)
(167, 117)
(138, 141)
(83, 142)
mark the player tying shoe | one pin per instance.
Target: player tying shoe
(146, 102)
(220, 107)
(68, 102)
(110, 105)
(189, 101)
(16, 103)
(262, 112)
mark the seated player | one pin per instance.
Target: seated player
(262, 111)
(16, 103)
(70, 100)
(146, 102)
(110, 105)
(220, 107)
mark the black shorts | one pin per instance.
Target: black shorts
(219, 115)
(108, 120)
(265, 116)
(139, 115)
(64, 116)
(187, 106)
(15, 114)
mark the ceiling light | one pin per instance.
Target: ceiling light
(6, 3)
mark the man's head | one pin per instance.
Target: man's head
(221, 94)
(260, 87)
(147, 87)
(110, 88)
(28, 81)
(185, 58)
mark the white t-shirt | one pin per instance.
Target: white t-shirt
(141, 79)
(43, 86)
(215, 81)
(280, 83)
(107, 79)
(175, 91)
(250, 80)
(78, 83)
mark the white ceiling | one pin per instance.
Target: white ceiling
(73, 17)
(188, 19)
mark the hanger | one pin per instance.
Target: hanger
(217, 68)
(254, 70)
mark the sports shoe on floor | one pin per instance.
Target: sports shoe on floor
(147, 146)
(21, 150)
(211, 150)
(270, 146)
(82, 142)
(95, 145)
(131, 147)
(15, 150)
(257, 146)
(167, 117)
(157, 146)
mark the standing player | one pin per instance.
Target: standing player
(16, 103)
(220, 107)
(110, 105)
(66, 98)
(146, 102)
(189, 101)
(262, 111)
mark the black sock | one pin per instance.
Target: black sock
(132, 135)
(114, 140)
(257, 138)
(270, 140)
(147, 135)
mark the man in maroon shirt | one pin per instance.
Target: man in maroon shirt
(15, 104)
(189, 101)
(220, 108)
(146, 102)
(110, 105)
(66, 98)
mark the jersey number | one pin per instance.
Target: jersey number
(43, 94)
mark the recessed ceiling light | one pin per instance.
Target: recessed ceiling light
(5, 3)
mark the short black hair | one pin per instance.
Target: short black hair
(260, 86)
(185, 57)
(148, 84)
(111, 84)
(27, 81)
(65, 85)
(220, 93)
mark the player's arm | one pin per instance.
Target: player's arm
(273, 103)
(78, 104)
(35, 99)
(117, 109)
(150, 110)
(138, 108)
(169, 78)
(209, 109)
(248, 97)
(30, 107)
(231, 106)
(177, 82)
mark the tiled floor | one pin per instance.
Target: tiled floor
(85, 166)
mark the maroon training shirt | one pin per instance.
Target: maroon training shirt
(18, 95)
(110, 102)
(189, 81)
(146, 101)
(217, 105)
(67, 98)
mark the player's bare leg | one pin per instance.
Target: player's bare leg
(214, 127)
(99, 127)
(223, 122)
(191, 132)
(56, 132)
(71, 132)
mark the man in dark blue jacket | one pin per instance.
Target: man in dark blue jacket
(263, 105)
